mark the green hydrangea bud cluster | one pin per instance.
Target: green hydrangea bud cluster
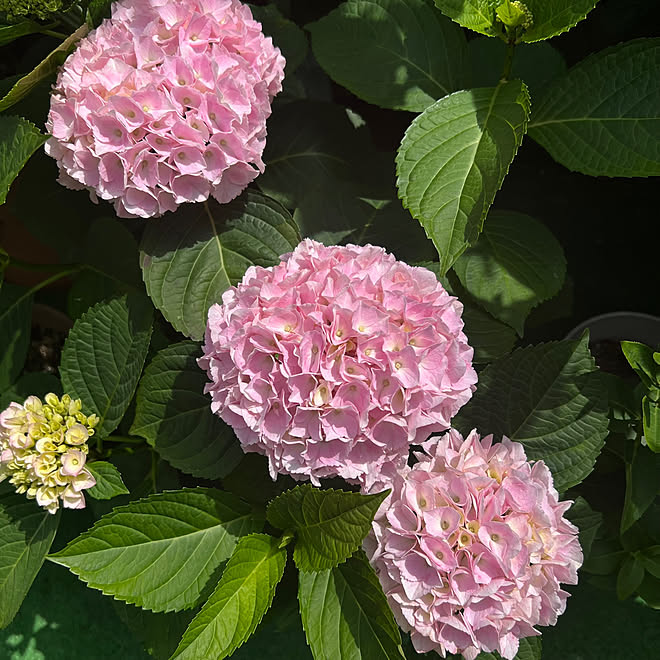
(43, 450)
(15, 10)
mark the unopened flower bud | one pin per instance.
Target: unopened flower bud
(43, 450)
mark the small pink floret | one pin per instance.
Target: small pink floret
(318, 363)
(165, 103)
(471, 546)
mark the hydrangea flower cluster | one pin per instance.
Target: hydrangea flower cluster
(471, 547)
(334, 361)
(43, 450)
(165, 103)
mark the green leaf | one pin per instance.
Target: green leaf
(19, 139)
(383, 222)
(345, 613)
(26, 534)
(238, 603)
(629, 578)
(119, 259)
(651, 423)
(536, 64)
(43, 70)
(103, 356)
(640, 358)
(190, 258)
(174, 415)
(516, 264)
(109, 483)
(15, 320)
(550, 398)
(308, 144)
(601, 118)
(399, 54)
(35, 382)
(587, 521)
(477, 15)
(10, 32)
(489, 338)
(529, 649)
(453, 159)
(97, 10)
(160, 552)
(159, 633)
(329, 524)
(642, 479)
(551, 17)
(286, 35)
(650, 559)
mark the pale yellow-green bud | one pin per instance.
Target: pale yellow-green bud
(52, 400)
(76, 435)
(43, 450)
(515, 15)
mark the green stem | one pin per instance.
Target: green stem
(508, 60)
(54, 33)
(53, 278)
(154, 470)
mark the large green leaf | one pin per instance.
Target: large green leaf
(46, 68)
(400, 54)
(453, 159)
(286, 35)
(345, 613)
(601, 118)
(308, 144)
(159, 633)
(550, 398)
(174, 415)
(587, 521)
(30, 383)
(15, 319)
(550, 17)
(109, 483)
(341, 211)
(490, 338)
(26, 534)
(190, 258)
(160, 552)
(10, 32)
(103, 357)
(516, 264)
(19, 139)
(238, 603)
(329, 524)
(642, 479)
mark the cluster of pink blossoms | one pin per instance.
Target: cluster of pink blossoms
(165, 103)
(333, 362)
(471, 547)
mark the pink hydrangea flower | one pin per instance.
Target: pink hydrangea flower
(336, 360)
(165, 103)
(471, 546)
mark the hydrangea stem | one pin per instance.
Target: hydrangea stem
(508, 60)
